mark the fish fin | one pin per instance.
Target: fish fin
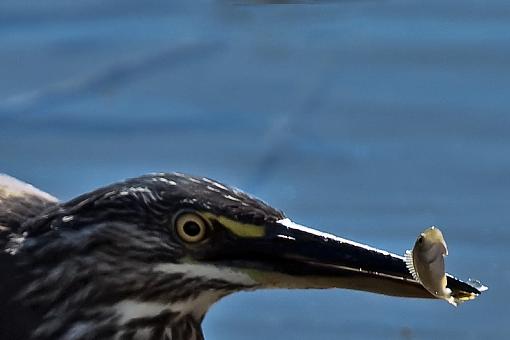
(408, 258)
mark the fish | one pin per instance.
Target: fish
(426, 263)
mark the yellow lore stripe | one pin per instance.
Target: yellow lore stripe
(237, 228)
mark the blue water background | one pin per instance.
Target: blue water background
(368, 119)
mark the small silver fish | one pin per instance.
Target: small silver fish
(426, 263)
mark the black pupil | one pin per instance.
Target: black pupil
(191, 228)
(420, 240)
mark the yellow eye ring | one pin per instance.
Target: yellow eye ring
(191, 228)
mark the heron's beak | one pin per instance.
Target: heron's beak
(288, 255)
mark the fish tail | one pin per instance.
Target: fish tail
(451, 300)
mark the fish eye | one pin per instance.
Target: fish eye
(190, 227)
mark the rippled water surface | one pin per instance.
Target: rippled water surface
(368, 119)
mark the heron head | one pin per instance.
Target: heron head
(161, 249)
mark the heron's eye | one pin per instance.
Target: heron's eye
(190, 228)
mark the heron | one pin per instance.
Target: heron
(145, 258)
